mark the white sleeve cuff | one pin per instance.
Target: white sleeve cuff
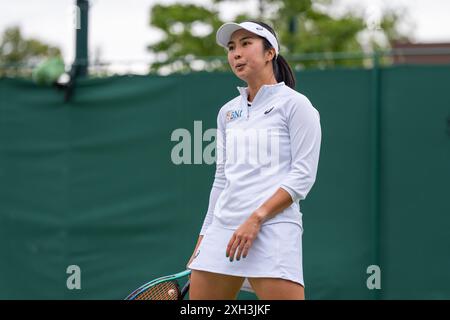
(292, 193)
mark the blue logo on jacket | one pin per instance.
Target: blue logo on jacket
(231, 115)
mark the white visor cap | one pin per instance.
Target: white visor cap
(224, 33)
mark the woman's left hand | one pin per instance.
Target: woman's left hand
(243, 238)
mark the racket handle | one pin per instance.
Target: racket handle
(185, 289)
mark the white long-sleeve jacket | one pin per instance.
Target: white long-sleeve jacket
(274, 143)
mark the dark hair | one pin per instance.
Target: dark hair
(281, 68)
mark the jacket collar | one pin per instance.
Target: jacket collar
(266, 89)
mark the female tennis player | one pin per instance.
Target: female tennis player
(268, 145)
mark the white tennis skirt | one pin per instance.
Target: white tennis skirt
(275, 253)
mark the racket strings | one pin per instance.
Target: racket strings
(163, 291)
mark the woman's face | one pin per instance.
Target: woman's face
(247, 49)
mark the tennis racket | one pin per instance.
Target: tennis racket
(164, 288)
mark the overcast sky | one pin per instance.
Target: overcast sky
(120, 31)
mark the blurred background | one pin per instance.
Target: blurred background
(92, 91)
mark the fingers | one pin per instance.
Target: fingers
(240, 249)
(243, 248)
(241, 244)
(247, 246)
(232, 246)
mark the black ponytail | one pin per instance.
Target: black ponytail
(281, 68)
(283, 71)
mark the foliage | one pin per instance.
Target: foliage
(302, 26)
(18, 55)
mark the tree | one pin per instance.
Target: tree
(19, 55)
(303, 26)
(181, 44)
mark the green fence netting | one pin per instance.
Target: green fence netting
(91, 183)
